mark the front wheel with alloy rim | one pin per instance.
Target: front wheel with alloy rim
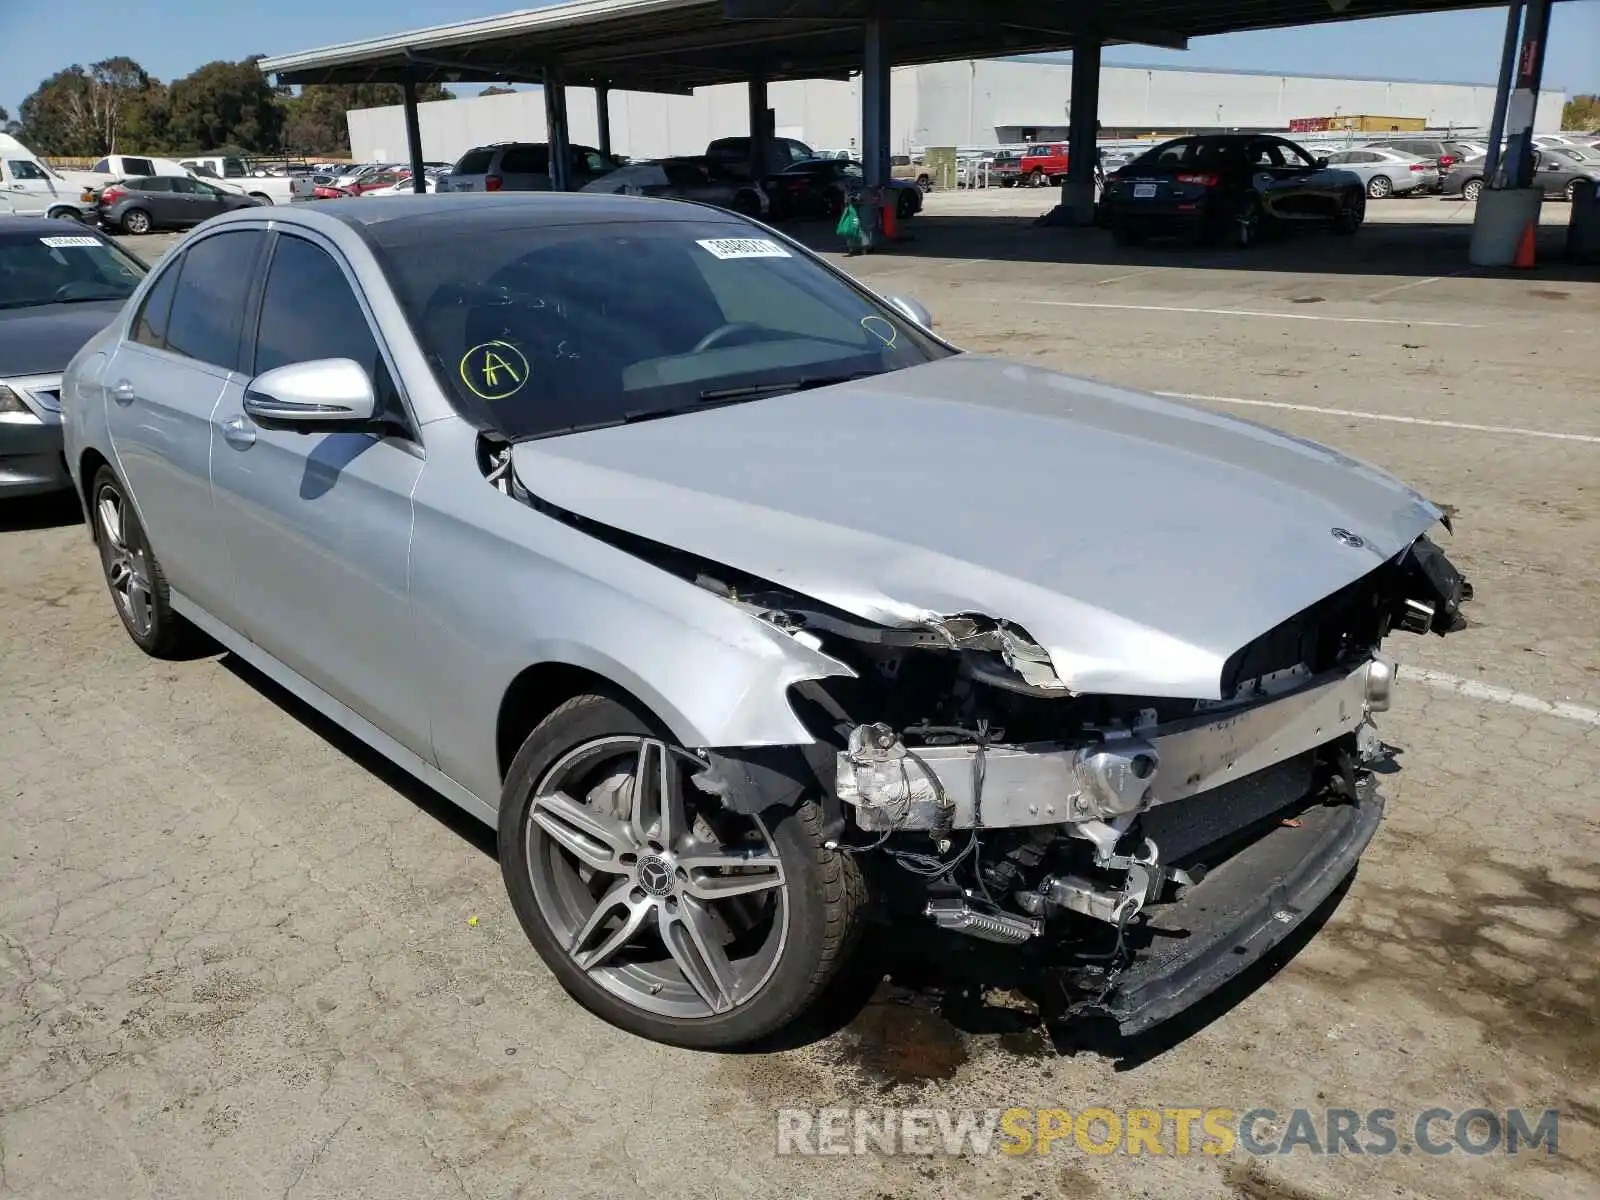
(657, 906)
(136, 221)
(1379, 186)
(134, 576)
(1352, 216)
(1472, 189)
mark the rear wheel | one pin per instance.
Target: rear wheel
(136, 221)
(134, 576)
(1036, 178)
(1125, 233)
(655, 905)
(1571, 190)
(1472, 189)
(1246, 225)
(905, 206)
(1379, 187)
(66, 214)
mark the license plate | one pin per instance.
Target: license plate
(1143, 191)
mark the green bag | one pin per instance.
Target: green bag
(849, 223)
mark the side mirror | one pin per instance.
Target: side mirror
(1322, 163)
(327, 395)
(911, 310)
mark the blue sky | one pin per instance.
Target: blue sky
(37, 39)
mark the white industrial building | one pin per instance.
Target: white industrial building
(967, 103)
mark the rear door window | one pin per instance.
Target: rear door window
(150, 326)
(473, 162)
(213, 291)
(138, 166)
(525, 160)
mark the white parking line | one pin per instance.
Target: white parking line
(1392, 417)
(1416, 283)
(1129, 275)
(1475, 690)
(1249, 312)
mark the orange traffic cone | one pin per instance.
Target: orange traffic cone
(1525, 256)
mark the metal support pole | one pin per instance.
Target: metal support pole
(875, 106)
(1083, 124)
(555, 120)
(1502, 90)
(1525, 99)
(602, 111)
(760, 128)
(419, 181)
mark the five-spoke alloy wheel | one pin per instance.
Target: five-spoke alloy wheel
(655, 903)
(138, 586)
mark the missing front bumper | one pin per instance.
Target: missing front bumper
(1244, 907)
(941, 788)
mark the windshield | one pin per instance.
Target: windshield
(538, 330)
(63, 269)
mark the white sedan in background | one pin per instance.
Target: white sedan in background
(1388, 172)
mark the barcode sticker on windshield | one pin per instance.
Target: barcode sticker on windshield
(744, 248)
(58, 242)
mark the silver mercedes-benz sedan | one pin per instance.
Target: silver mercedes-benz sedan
(743, 605)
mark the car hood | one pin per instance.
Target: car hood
(1139, 540)
(41, 340)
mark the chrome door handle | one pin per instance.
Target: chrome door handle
(239, 433)
(123, 393)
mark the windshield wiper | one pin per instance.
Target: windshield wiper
(89, 299)
(804, 383)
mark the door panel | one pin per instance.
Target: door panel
(158, 409)
(320, 524)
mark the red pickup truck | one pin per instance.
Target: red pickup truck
(1044, 163)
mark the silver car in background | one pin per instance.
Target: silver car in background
(1388, 172)
(742, 605)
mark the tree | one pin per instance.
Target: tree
(1581, 112)
(315, 119)
(78, 111)
(224, 102)
(496, 90)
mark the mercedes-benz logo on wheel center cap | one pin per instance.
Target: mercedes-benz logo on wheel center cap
(655, 876)
(1345, 538)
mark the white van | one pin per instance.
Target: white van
(30, 188)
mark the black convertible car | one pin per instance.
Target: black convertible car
(1229, 187)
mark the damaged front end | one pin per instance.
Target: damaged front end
(1144, 847)
(1148, 847)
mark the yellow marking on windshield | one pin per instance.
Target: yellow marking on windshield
(494, 370)
(871, 323)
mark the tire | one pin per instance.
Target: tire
(260, 197)
(746, 203)
(925, 183)
(1380, 187)
(1125, 233)
(1471, 190)
(1570, 191)
(65, 214)
(136, 221)
(133, 574)
(905, 205)
(1245, 227)
(1036, 178)
(581, 760)
(1352, 217)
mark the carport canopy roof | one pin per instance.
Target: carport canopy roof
(678, 45)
